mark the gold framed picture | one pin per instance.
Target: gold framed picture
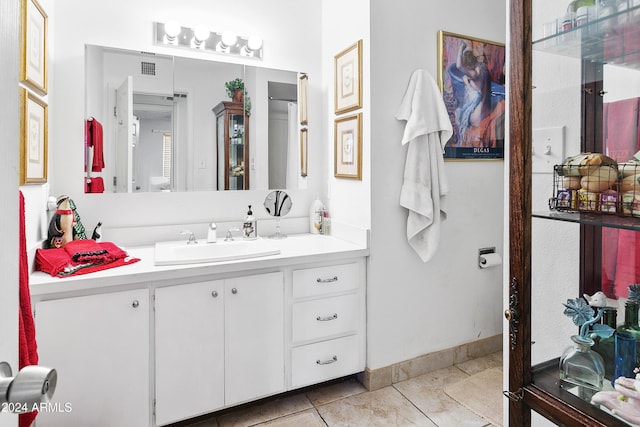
(303, 152)
(348, 147)
(303, 84)
(33, 138)
(33, 46)
(348, 79)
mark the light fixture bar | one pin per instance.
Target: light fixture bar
(249, 47)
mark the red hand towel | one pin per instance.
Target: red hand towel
(27, 347)
(621, 129)
(94, 139)
(87, 250)
(95, 185)
(52, 261)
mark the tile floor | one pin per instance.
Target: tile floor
(419, 401)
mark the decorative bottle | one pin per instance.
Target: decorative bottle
(630, 325)
(605, 347)
(582, 367)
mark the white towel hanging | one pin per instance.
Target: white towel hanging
(427, 130)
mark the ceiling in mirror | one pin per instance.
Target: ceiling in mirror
(152, 126)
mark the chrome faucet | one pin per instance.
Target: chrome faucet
(192, 238)
(229, 236)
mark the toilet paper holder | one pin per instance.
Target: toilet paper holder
(30, 386)
(485, 251)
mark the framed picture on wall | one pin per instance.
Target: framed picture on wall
(348, 79)
(303, 152)
(303, 83)
(348, 147)
(33, 138)
(471, 77)
(33, 46)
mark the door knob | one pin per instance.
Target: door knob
(31, 386)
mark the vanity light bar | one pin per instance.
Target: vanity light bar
(200, 38)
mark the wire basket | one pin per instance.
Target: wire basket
(612, 189)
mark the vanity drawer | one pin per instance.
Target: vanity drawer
(324, 280)
(323, 317)
(323, 361)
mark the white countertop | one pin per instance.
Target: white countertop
(295, 249)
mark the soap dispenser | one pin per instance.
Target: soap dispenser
(250, 226)
(212, 235)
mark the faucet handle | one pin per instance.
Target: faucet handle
(192, 237)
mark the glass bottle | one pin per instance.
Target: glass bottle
(630, 324)
(625, 356)
(605, 347)
(582, 368)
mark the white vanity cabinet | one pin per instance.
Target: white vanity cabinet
(218, 343)
(99, 345)
(327, 323)
(189, 342)
(147, 346)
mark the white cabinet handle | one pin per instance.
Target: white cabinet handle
(234, 291)
(334, 359)
(332, 279)
(327, 318)
(135, 303)
(214, 294)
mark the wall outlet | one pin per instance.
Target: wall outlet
(548, 149)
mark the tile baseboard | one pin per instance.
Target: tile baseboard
(374, 379)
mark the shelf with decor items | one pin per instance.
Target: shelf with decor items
(572, 76)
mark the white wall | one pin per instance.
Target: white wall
(416, 308)
(343, 24)
(291, 41)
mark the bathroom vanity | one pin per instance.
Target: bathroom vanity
(146, 345)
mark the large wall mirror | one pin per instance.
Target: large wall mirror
(153, 124)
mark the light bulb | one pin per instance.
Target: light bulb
(254, 43)
(228, 38)
(172, 29)
(201, 32)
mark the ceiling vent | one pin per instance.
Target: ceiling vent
(147, 68)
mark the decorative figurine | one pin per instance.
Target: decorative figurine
(65, 224)
(61, 224)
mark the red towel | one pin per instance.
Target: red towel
(90, 257)
(27, 347)
(88, 250)
(94, 185)
(620, 129)
(93, 137)
(628, 261)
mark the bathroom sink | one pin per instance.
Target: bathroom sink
(173, 253)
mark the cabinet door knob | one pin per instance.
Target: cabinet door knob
(234, 291)
(329, 280)
(135, 303)
(214, 294)
(507, 314)
(328, 361)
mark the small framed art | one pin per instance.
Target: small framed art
(303, 151)
(303, 84)
(33, 46)
(348, 79)
(33, 138)
(348, 147)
